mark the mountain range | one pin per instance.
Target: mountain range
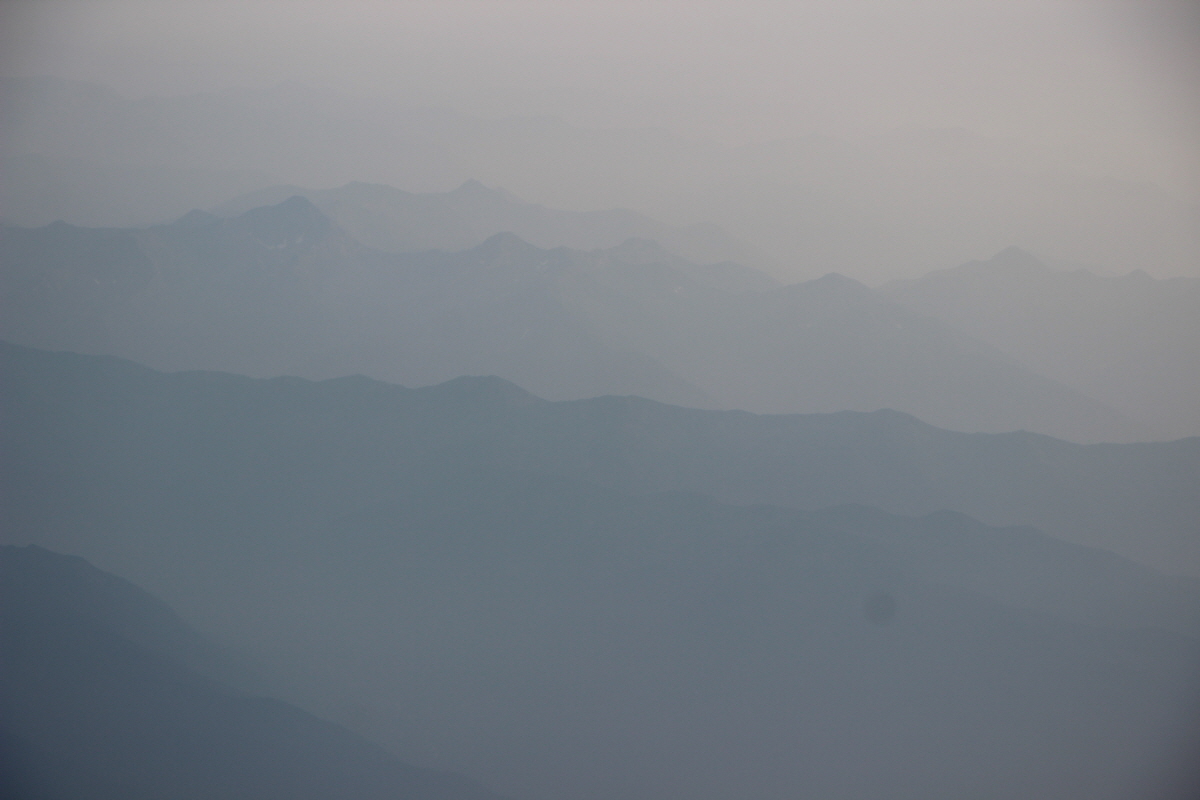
(674, 469)
(867, 205)
(1136, 499)
(537, 594)
(1130, 341)
(390, 219)
(282, 290)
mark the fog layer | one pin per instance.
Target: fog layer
(879, 142)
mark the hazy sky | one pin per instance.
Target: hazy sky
(1109, 85)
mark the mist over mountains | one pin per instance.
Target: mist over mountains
(870, 206)
(1128, 341)
(284, 290)
(599, 401)
(396, 221)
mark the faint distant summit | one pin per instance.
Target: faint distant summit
(396, 221)
(294, 221)
(485, 390)
(1014, 259)
(832, 287)
(505, 246)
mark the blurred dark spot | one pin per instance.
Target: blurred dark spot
(880, 608)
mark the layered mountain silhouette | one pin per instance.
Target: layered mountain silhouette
(650, 526)
(872, 205)
(104, 695)
(1132, 341)
(283, 290)
(118, 422)
(533, 593)
(397, 221)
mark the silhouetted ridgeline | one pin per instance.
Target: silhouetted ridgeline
(439, 568)
(397, 221)
(282, 290)
(353, 440)
(880, 205)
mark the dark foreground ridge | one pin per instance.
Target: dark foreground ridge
(99, 701)
(548, 597)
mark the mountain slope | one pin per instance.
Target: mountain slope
(563, 642)
(98, 703)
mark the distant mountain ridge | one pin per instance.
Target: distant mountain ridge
(430, 494)
(397, 221)
(1132, 342)
(871, 206)
(283, 290)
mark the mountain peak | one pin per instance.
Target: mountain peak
(1014, 259)
(834, 284)
(488, 389)
(294, 221)
(505, 245)
(472, 187)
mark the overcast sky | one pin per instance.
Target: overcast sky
(1110, 85)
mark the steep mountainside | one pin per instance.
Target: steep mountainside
(282, 290)
(1132, 342)
(100, 702)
